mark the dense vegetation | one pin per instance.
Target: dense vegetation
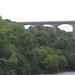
(23, 52)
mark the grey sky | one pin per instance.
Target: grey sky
(38, 10)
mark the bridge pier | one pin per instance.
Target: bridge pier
(74, 30)
(36, 28)
(55, 29)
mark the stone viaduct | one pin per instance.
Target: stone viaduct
(53, 23)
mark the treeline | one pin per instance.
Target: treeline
(23, 52)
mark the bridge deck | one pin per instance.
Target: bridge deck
(46, 22)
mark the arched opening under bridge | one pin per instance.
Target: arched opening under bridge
(30, 28)
(66, 27)
(65, 30)
(27, 26)
(45, 27)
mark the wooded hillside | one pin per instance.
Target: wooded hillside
(23, 52)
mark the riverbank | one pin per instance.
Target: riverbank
(42, 72)
(59, 73)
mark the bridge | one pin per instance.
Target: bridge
(53, 23)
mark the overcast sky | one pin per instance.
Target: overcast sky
(39, 10)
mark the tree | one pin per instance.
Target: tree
(1, 21)
(34, 65)
(71, 60)
(62, 62)
(7, 20)
(72, 43)
(53, 37)
(44, 53)
(48, 49)
(39, 55)
(3, 43)
(62, 43)
(31, 31)
(21, 39)
(51, 63)
(23, 67)
(42, 38)
(8, 66)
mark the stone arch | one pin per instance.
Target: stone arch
(38, 25)
(49, 24)
(45, 25)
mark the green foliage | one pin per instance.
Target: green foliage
(72, 43)
(1, 21)
(53, 37)
(44, 53)
(38, 53)
(29, 56)
(23, 65)
(62, 62)
(48, 49)
(3, 44)
(31, 30)
(7, 20)
(42, 38)
(71, 60)
(23, 52)
(34, 64)
(58, 52)
(62, 43)
(51, 63)
(10, 50)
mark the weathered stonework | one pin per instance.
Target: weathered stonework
(73, 30)
(36, 28)
(55, 29)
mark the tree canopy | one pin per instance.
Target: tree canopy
(24, 52)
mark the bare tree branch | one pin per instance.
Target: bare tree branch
(5, 60)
